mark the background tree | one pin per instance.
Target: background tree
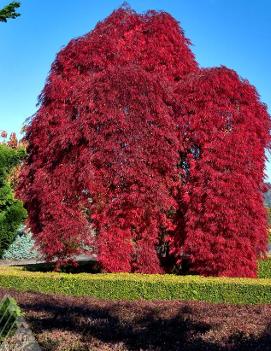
(267, 195)
(12, 212)
(9, 11)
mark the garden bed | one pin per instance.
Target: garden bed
(62, 323)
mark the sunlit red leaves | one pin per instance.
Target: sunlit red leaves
(12, 141)
(3, 134)
(225, 230)
(134, 140)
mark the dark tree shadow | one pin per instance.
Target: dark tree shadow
(242, 342)
(83, 266)
(138, 325)
(148, 331)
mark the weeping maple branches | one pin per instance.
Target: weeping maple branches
(227, 130)
(135, 153)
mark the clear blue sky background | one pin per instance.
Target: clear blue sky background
(235, 33)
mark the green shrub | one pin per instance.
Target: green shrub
(126, 286)
(9, 313)
(22, 247)
(12, 212)
(264, 268)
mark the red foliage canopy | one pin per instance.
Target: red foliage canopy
(135, 150)
(227, 129)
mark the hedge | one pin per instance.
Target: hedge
(264, 268)
(139, 286)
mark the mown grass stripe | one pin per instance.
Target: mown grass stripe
(135, 286)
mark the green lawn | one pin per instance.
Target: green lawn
(124, 286)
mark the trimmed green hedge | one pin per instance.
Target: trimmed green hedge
(264, 268)
(139, 286)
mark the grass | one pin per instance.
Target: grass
(126, 286)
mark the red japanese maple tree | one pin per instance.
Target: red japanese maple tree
(144, 157)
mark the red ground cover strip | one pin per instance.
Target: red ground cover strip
(67, 323)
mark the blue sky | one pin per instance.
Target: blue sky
(235, 33)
